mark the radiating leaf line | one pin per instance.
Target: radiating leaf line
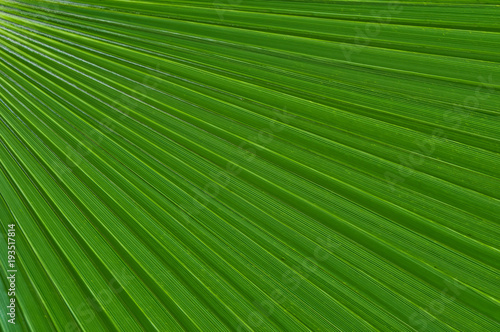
(251, 165)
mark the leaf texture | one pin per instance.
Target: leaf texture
(248, 165)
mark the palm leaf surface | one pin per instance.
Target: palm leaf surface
(251, 165)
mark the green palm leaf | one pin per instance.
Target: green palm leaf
(250, 165)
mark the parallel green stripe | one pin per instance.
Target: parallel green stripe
(252, 165)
